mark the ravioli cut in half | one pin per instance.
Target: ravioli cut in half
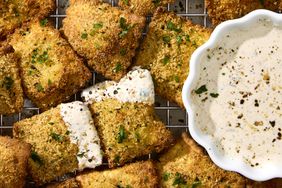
(63, 140)
(124, 115)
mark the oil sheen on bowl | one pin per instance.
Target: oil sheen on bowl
(233, 95)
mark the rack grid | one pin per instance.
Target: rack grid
(175, 118)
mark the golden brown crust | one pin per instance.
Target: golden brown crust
(166, 52)
(128, 130)
(106, 36)
(13, 162)
(14, 13)
(220, 11)
(145, 7)
(137, 175)
(52, 154)
(70, 183)
(50, 69)
(11, 93)
(186, 163)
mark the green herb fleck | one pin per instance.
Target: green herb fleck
(36, 158)
(166, 176)
(84, 35)
(121, 135)
(179, 180)
(81, 154)
(125, 2)
(49, 82)
(98, 25)
(117, 68)
(122, 51)
(8, 82)
(176, 78)
(201, 89)
(39, 87)
(179, 39)
(124, 26)
(51, 123)
(57, 137)
(171, 26)
(166, 39)
(43, 22)
(67, 133)
(187, 38)
(166, 60)
(43, 57)
(214, 95)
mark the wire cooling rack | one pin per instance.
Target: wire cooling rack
(174, 117)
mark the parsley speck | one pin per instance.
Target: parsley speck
(214, 95)
(43, 22)
(201, 89)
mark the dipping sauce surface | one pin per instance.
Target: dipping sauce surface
(239, 94)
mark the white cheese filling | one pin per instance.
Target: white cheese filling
(82, 132)
(136, 86)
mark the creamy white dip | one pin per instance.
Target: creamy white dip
(136, 86)
(82, 132)
(239, 94)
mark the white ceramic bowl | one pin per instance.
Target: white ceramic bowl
(237, 165)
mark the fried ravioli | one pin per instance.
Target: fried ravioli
(14, 13)
(14, 155)
(166, 52)
(220, 11)
(186, 164)
(50, 69)
(11, 94)
(106, 36)
(63, 140)
(137, 175)
(145, 7)
(125, 118)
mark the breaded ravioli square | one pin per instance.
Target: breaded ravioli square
(143, 7)
(51, 71)
(63, 140)
(166, 52)
(187, 165)
(124, 115)
(137, 175)
(14, 155)
(141, 174)
(11, 93)
(13, 13)
(106, 36)
(222, 10)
